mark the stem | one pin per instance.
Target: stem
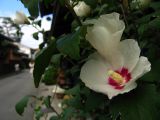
(53, 100)
(124, 15)
(55, 111)
(73, 12)
(125, 5)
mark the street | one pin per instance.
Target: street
(12, 89)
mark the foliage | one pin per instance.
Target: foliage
(20, 106)
(40, 65)
(10, 29)
(64, 56)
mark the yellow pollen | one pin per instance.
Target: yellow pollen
(116, 76)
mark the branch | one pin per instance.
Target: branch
(73, 12)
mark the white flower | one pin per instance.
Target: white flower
(82, 9)
(116, 65)
(20, 18)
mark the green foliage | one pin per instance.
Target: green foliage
(69, 44)
(155, 5)
(20, 106)
(32, 7)
(91, 3)
(38, 22)
(142, 104)
(94, 101)
(47, 101)
(38, 114)
(68, 113)
(50, 75)
(54, 118)
(51, 72)
(42, 61)
(55, 60)
(35, 35)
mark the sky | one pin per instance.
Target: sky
(8, 8)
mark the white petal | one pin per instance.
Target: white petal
(114, 25)
(113, 92)
(94, 75)
(106, 89)
(111, 23)
(105, 37)
(103, 41)
(143, 66)
(129, 87)
(94, 72)
(131, 52)
(82, 9)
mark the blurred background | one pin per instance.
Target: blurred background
(17, 52)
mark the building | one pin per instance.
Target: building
(13, 54)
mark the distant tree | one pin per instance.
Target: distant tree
(10, 29)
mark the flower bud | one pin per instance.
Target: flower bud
(20, 18)
(82, 9)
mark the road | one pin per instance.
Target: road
(12, 89)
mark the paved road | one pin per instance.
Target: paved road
(12, 89)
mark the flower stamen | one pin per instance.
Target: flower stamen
(116, 77)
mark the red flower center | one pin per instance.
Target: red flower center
(118, 78)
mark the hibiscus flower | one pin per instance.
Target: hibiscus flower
(116, 65)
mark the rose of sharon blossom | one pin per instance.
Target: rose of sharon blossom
(116, 65)
(20, 18)
(82, 9)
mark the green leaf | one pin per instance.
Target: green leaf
(38, 114)
(69, 44)
(32, 6)
(50, 75)
(147, 18)
(68, 113)
(140, 104)
(55, 60)
(73, 91)
(41, 62)
(95, 100)
(54, 118)
(75, 102)
(37, 23)
(91, 3)
(47, 101)
(155, 5)
(62, 2)
(20, 106)
(142, 28)
(35, 35)
(155, 23)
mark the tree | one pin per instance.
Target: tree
(10, 29)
